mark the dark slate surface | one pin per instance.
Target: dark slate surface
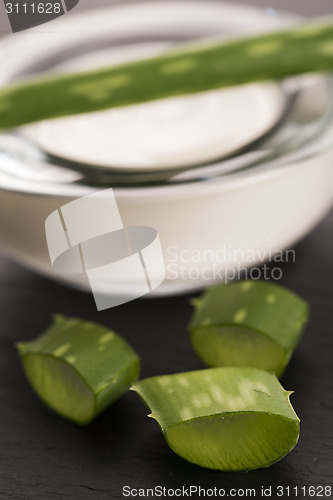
(45, 457)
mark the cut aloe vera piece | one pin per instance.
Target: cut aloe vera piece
(196, 68)
(230, 419)
(248, 323)
(79, 368)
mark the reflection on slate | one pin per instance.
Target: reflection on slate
(24, 15)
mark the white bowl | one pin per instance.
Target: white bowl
(212, 221)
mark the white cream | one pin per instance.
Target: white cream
(171, 132)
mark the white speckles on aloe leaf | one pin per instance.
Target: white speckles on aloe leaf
(240, 315)
(60, 351)
(271, 298)
(246, 422)
(107, 337)
(251, 323)
(71, 359)
(327, 48)
(178, 67)
(190, 69)
(262, 49)
(69, 372)
(246, 285)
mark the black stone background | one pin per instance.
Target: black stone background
(45, 457)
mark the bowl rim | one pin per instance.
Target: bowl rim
(224, 182)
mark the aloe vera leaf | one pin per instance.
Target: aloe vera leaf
(248, 323)
(79, 368)
(191, 69)
(229, 419)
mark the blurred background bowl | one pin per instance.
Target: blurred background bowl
(213, 219)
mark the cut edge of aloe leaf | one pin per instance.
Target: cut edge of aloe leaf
(223, 418)
(60, 373)
(229, 345)
(79, 410)
(248, 323)
(227, 431)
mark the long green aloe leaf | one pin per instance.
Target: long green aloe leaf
(248, 323)
(79, 368)
(197, 68)
(229, 419)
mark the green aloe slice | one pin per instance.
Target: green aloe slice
(196, 68)
(248, 323)
(79, 368)
(230, 419)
